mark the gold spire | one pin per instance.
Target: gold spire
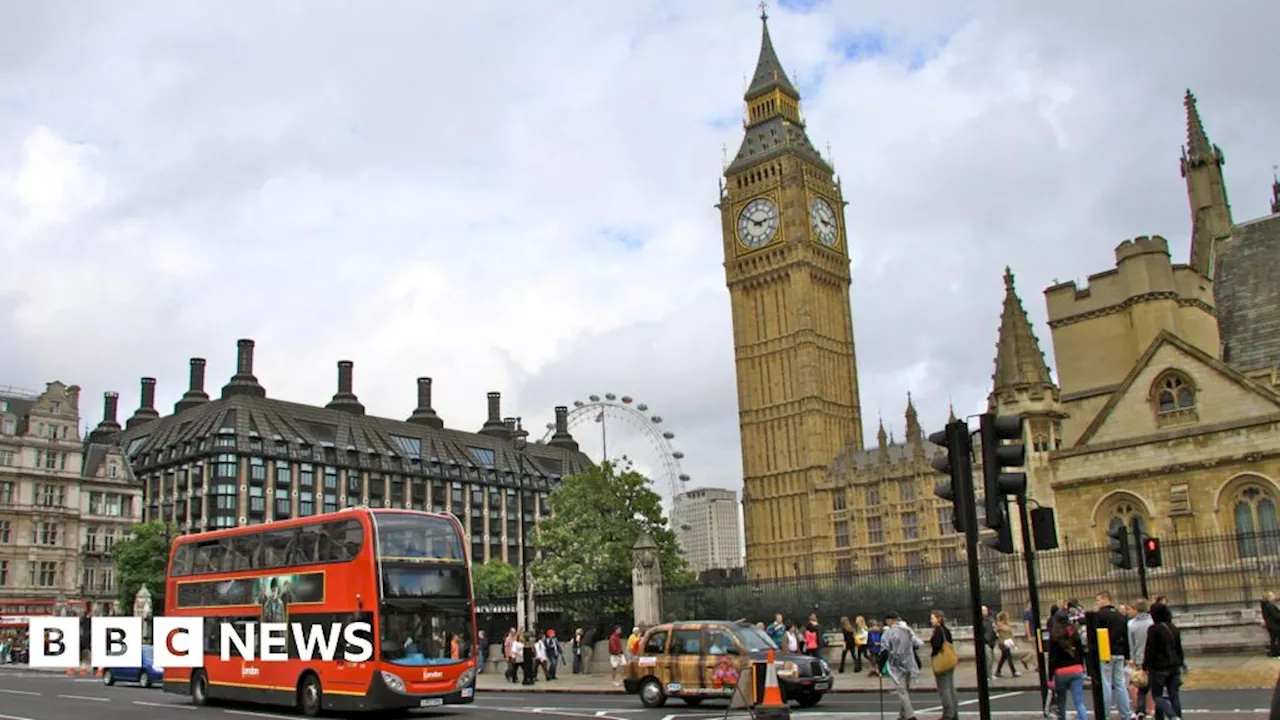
(1019, 360)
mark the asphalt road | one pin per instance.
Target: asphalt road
(41, 696)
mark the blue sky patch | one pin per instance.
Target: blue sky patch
(15, 104)
(861, 45)
(629, 238)
(800, 6)
(726, 122)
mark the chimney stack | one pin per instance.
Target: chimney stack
(108, 431)
(146, 411)
(520, 434)
(344, 399)
(424, 414)
(510, 424)
(494, 427)
(243, 382)
(561, 437)
(195, 394)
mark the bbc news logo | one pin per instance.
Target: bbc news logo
(116, 642)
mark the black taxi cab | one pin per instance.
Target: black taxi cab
(703, 660)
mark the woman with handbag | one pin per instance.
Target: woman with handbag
(944, 661)
(1008, 646)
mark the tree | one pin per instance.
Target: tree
(495, 579)
(141, 559)
(597, 516)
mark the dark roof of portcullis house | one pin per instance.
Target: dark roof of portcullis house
(340, 433)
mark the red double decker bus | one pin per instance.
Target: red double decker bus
(403, 572)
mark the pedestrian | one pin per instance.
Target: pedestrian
(541, 658)
(1271, 621)
(554, 653)
(777, 631)
(577, 651)
(850, 648)
(1139, 625)
(1066, 664)
(1004, 634)
(482, 650)
(617, 661)
(860, 637)
(899, 645)
(1114, 687)
(944, 661)
(988, 639)
(874, 635)
(813, 637)
(1163, 660)
(633, 644)
(513, 653)
(529, 646)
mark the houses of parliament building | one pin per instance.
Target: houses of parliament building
(1165, 406)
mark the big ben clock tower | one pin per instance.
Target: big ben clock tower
(786, 260)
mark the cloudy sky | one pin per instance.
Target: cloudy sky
(519, 196)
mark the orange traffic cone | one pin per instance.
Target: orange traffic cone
(772, 706)
(71, 672)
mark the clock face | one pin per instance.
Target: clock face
(823, 219)
(758, 223)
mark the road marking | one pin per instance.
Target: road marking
(85, 697)
(164, 705)
(975, 700)
(19, 692)
(256, 714)
(13, 717)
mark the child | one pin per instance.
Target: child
(874, 634)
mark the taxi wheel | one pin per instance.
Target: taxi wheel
(146, 679)
(809, 699)
(108, 678)
(651, 693)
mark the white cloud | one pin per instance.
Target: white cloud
(521, 198)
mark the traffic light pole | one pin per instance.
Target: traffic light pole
(966, 502)
(1033, 589)
(1140, 545)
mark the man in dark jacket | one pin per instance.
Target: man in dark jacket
(1271, 620)
(1114, 685)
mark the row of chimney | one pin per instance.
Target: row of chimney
(243, 382)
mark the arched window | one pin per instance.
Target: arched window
(1126, 512)
(1040, 443)
(1256, 522)
(1174, 393)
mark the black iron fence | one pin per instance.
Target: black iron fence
(1204, 573)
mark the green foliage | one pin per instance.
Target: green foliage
(140, 560)
(597, 517)
(495, 579)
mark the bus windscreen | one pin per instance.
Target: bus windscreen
(413, 537)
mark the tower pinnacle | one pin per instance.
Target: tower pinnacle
(1202, 163)
(769, 74)
(1019, 360)
(1275, 189)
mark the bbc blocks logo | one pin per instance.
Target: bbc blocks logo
(179, 642)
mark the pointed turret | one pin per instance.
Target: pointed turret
(773, 122)
(952, 416)
(883, 437)
(914, 433)
(1019, 361)
(769, 75)
(1275, 194)
(1202, 163)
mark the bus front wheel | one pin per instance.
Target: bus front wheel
(199, 688)
(309, 695)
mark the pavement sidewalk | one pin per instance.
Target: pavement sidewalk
(1214, 672)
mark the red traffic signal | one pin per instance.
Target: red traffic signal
(1151, 553)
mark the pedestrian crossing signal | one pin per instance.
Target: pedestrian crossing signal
(1151, 553)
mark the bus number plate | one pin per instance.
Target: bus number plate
(432, 702)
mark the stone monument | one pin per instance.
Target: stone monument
(646, 582)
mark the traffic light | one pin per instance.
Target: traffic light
(1002, 541)
(1118, 544)
(998, 454)
(1151, 553)
(957, 465)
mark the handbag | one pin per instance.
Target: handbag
(1139, 678)
(946, 660)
